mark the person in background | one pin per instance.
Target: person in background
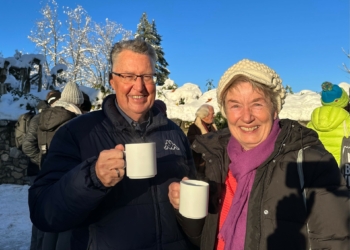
(331, 121)
(61, 112)
(30, 147)
(30, 143)
(71, 100)
(159, 104)
(260, 197)
(203, 124)
(83, 182)
(86, 106)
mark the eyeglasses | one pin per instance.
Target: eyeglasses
(130, 78)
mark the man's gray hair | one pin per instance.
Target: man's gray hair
(136, 45)
(203, 111)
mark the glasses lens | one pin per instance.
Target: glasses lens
(128, 78)
(131, 78)
(149, 79)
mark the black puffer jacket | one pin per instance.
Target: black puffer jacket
(276, 212)
(193, 131)
(134, 214)
(30, 142)
(50, 120)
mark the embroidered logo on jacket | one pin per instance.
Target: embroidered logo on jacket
(169, 145)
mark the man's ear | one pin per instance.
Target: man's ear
(110, 78)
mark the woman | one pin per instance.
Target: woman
(256, 199)
(203, 124)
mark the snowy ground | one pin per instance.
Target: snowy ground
(15, 225)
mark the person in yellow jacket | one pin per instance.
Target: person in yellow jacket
(331, 121)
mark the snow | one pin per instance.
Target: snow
(182, 102)
(15, 226)
(58, 68)
(24, 61)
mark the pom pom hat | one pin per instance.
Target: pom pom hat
(333, 95)
(255, 71)
(72, 94)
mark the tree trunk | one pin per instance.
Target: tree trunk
(40, 73)
(26, 89)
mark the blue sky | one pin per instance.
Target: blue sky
(301, 40)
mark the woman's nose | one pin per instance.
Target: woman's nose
(247, 115)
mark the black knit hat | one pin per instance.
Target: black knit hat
(53, 96)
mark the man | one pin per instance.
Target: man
(83, 182)
(203, 124)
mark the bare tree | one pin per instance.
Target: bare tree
(102, 40)
(83, 47)
(344, 65)
(77, 45)
(47, 36)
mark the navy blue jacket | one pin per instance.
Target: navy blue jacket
(134, 214)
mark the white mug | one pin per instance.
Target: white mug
(194, 197)
(140, 160)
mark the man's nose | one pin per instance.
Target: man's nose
(139, 84)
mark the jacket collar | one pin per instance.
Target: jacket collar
(109, 108)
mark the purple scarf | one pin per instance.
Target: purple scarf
(243, 167)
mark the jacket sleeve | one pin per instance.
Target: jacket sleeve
(328, 204)
(192, 169)
(30, 142)
(192, 227)
(191, 134)
(64, 194)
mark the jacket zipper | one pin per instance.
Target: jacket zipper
(156, 207)
(157, 214)
(268, 173)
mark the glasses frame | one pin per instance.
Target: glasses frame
(121, 75)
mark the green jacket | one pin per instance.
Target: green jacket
(331, 124)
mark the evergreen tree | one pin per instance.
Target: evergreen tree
(220, 121)
(210, 84)
(148, 32)
(289, 89)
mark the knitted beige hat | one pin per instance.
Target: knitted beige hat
(255, 71)
(72, 94)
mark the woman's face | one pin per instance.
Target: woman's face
(209, 119)
(249, 114)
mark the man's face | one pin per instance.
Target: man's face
(135, 98)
